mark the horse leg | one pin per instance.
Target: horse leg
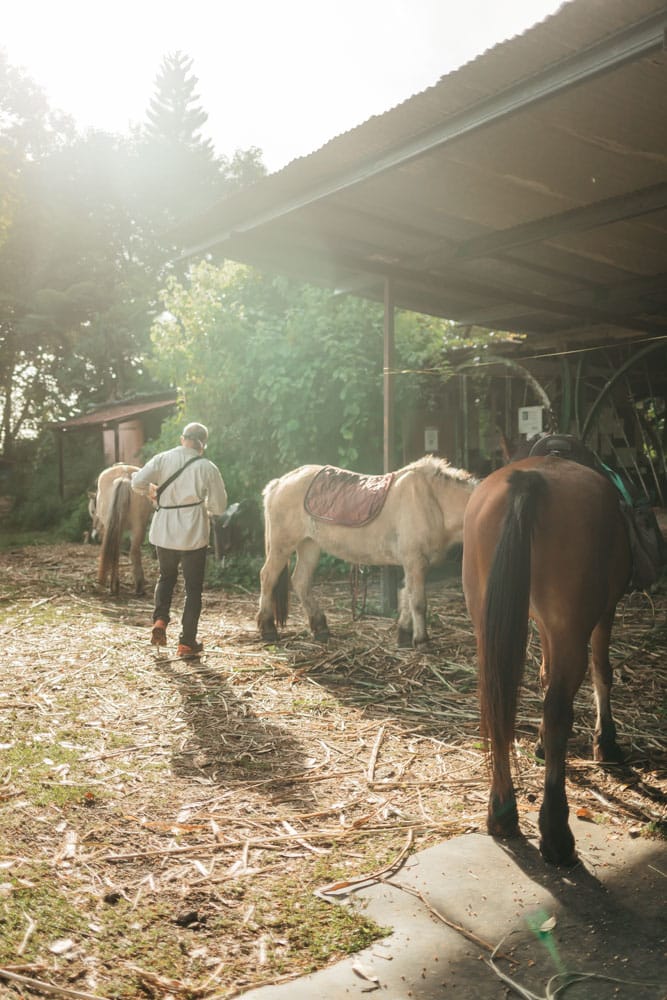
(101, 569)
(415, 586)
(502, 818)
(114, 583)
(605, 747)
(544, 683)
(566, 673)
(269, 575)
(137, 565)
(307, 558)
(404, 619)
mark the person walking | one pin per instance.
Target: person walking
(186, 488)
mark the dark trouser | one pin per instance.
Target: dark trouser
(194, 566)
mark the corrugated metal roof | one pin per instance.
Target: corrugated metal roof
(526, 190)
(114, 413)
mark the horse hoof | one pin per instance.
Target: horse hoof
(503, 819)
(269, 637)
(539, 750)
(563, 855)
(404, 638)
(609, 754)
(322, 636)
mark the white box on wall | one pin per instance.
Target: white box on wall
(430, 439)
(530, 420)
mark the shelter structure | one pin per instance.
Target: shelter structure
(526, 191)
(119, 429)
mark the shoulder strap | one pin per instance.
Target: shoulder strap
(160, 490)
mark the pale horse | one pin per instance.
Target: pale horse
(421, 519)
(115, 509)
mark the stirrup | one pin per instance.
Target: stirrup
(159, 633)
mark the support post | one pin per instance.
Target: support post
(61, 464)
(388, 574)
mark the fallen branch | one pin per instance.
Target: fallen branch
(443, 919)
(370, 772)
(352, 883)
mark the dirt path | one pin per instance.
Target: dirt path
(164, 824)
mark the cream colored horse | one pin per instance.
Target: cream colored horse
(115, 509)
(421, 519)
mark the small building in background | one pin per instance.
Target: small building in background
(117, 431)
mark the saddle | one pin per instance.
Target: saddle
(647, 544)
(348, 499)
(565, 446)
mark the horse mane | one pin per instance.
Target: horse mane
(431, 465)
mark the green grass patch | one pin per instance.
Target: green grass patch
(36, 896)
(34, 767)
(657, 830)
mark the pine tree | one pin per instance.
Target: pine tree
(174, 115)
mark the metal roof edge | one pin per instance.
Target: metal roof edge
(634, 41)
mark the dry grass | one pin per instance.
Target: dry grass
(164, 824)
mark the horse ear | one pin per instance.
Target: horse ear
(91, 494)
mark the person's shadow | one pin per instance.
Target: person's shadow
(226, 743)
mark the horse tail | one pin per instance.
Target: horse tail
(119, 507)
(504, 635)
(280, 597)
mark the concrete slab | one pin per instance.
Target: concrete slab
(608, 917)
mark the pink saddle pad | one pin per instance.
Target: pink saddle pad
(346, 498)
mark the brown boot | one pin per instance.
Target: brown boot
(159, 633)
(192, 650)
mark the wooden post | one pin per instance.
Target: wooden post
(61, 464)
(388, 574)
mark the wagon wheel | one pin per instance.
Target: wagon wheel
(626, 417)
(521, 388)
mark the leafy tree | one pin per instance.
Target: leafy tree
(75, 294)
(283, 373)
(28, 131)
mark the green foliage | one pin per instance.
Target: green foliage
(181, 175)
(174, 117)
(286, 374)
(34, 486)
(239, 572)
(83, 249)
(282, 374)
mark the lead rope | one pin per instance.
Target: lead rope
(357, 572)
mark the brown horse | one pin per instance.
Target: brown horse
(543, 537)
(115, 509)
(422, 517)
